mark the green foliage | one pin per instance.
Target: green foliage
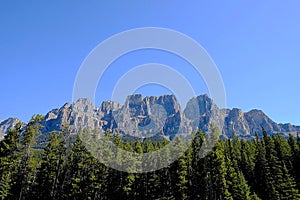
(267, 168)
(28, 159)
(51, 167)
(9, 157)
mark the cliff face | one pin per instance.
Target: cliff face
(242, 124)
(79, 115)
(6, 125)
(146, 117)
(138, 117)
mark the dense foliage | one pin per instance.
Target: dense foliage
(265, 168)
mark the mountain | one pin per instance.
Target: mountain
(150, 116)
(243, 124)
(6, 125)
(138, 117)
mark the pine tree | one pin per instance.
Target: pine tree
(116, 178)
(274, 165)
(9, 157)
(51, 169)
(218, 188)
(181, 169)
(128, 187)
(198, 174)
(295, 159)
(84, 173)
(28, 161)
(283, 150)
(264, 182)
(165, 185)
(236, 182)
(287, 185)
(235, 150)
(247, 162)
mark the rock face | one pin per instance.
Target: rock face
(202, 112)
(138, 117)
(235, 122)
(79, 115)
(149, 116)
(7, 125)
(229, 121)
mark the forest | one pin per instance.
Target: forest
(267, 168)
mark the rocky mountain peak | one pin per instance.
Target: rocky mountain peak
(83, 105)
(82, 101)
(141, 117)
(134, 99)
(235, 122)
(205, 104)
(6, 125)
(52, 114)
(236, 113)
(108, 106)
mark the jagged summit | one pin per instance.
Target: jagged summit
(6, 125)
(146, 116)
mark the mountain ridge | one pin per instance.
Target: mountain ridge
(147, 116)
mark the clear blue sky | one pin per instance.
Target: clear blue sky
(255, 44)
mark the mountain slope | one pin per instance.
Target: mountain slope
(145, 117)
(6, 125)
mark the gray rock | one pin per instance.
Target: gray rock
(152, 115)
(6, 125)
(81, 114)
(235, 122)
(149, 116)
(230, 121)
(207, 111)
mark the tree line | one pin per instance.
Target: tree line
(267, 167)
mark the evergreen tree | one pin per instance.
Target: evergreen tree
(264, 181)
(84, 173)
(236, 182)
(295, 159)
(234, 169)
(198, 187)
(181, 169)
(287, 185)
(51, 169)
(9, 157)
(218, 188)
(274, 165)
(128, 187)
(283, 150)
(247, 163)
(28, 162)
